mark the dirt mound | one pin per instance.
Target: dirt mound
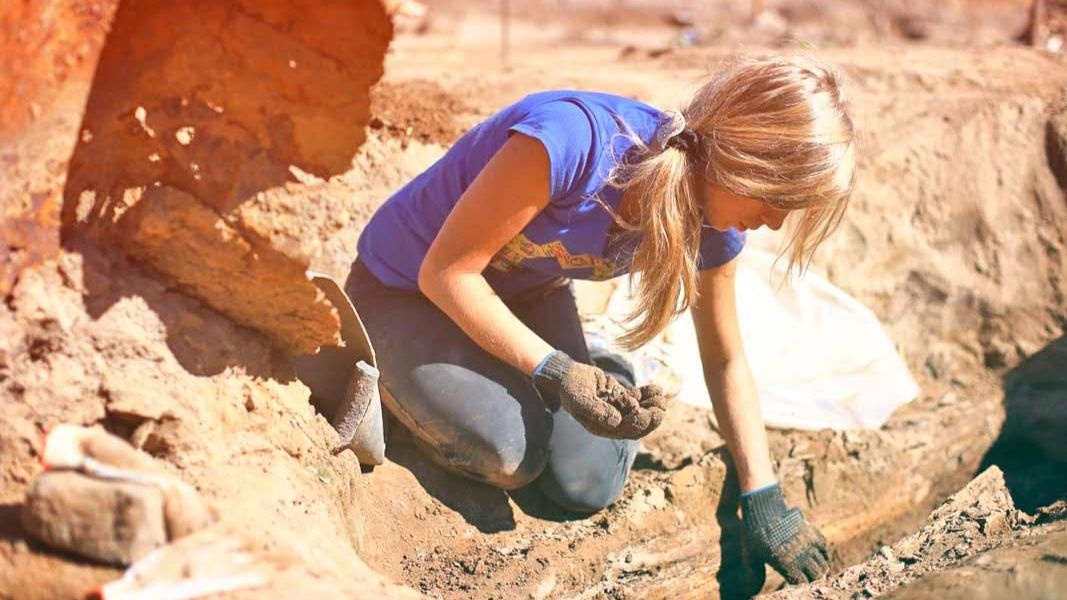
(1024, 568)
(418, 109)
(181, 170)
(194, 390)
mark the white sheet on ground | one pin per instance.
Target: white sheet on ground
(819, 357)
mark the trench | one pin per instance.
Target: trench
(963, 323)
(673, 533)
(930, 245)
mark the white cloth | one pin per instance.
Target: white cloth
(820, 358)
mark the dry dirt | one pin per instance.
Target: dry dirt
(166, 315)
(204, 133)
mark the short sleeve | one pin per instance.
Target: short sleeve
(718, 247)
(568, 134)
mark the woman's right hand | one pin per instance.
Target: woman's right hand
(597, 400)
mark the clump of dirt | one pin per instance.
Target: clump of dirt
(420, 110)
(978, 518)
(1032, 566)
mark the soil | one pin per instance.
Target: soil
(51, 54)
(419, 109)
(955, 238)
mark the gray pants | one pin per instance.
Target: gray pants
(478, 416)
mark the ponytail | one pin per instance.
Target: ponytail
(770, 128)
(669, 222)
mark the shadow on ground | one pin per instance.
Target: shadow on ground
(482, 505)
(1030, 448)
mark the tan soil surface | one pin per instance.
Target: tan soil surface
(933, 122)
(956, 238)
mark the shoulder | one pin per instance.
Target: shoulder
(558, 112)
(583, 132)
(570, 133)
(608, 112)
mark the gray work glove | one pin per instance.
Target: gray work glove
(780, 537)
(598, 401)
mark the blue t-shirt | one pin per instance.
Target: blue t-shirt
(585, 135)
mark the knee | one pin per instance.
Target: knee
(505, 463)
(587, 492)
(588, 496)
(512, 468)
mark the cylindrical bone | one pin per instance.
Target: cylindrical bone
(361, 389)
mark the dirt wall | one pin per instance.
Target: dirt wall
(50, 50)
(957, 236)
(201, 155)
(208, 132)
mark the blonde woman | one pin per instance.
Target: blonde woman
(462, 279)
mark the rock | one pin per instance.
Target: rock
(190, 244)
(110, 459)
(971, 521)
(107, 521)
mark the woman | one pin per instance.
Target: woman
(462, 279)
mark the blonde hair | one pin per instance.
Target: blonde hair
(771, 128)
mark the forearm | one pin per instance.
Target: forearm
(736, 405)
(469, 301)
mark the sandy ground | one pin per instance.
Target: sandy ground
(930, 244)
(956, 239)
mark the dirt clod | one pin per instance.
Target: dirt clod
(106, 521)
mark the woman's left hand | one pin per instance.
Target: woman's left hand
(595, 399)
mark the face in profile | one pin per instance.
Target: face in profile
(724, 209)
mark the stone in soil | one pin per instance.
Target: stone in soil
(107, 521)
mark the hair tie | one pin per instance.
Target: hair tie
(687, 141)
(673, 133)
